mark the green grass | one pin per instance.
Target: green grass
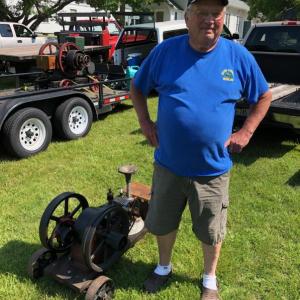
(261, 254)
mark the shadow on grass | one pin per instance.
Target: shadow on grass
(139, 132)
(294, 181)
(131, 275)
(118, 109)
(14, 260)
(268, 143)
(125, 274)
(4, 156)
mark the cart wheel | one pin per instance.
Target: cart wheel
(49, 48)
(27, 132)
(56, 225)
(73, 119)
(102, 288)
(39, 261)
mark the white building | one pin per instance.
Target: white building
(50, 25)
(236, 13)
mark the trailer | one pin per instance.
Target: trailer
(63, 98)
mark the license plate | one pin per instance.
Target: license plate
(242, 112)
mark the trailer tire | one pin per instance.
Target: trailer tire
(73, 119)
(27, 132)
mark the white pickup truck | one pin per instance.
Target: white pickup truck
(17, 35)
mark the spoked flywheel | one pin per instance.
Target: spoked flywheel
(56, 225)
(105, 239)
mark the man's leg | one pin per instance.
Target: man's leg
(163, 270)
(165, 245)
(208, 204)
(164, 214)
(211, 255)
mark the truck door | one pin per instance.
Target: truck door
(24, 36)
(7, 38)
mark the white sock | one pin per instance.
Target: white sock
(163, 270)
(210, 282)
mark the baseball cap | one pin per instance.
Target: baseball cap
(224, 2)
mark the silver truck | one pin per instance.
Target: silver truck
(276, 48)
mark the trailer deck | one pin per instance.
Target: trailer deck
(27, 53)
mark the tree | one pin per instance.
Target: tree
(270, 9)
(33, 12)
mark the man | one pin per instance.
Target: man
(199, 77)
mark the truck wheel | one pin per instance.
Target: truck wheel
(73, 119)
(27, 132)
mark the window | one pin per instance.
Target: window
(159, 16)
(5, 30)
(278, 39)
(138, 35)
(113, 29)
(227, 19)
(172, 33)
(238, 23)
(22, 31)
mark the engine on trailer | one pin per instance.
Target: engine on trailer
(65, 65)
(66, 58)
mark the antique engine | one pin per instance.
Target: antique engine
(81, 242)
(66, 58)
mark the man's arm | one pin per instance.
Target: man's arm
(140, 105)
(241, 138)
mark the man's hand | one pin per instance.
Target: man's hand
(140, 105)
(241, 138)
(238, 140)
(150, 132)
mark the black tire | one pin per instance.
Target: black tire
(27, 132)
(73, 119)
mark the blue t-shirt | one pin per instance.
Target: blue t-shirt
(197, 96)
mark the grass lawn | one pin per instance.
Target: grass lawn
(261, 255)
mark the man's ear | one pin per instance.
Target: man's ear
(186, 18)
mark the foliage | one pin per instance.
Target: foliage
(113, 5)
(33, 12)
(272, 10)
(260, 256)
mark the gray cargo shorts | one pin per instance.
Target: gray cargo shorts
(207, 197)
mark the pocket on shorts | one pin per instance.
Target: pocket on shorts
(225, 202)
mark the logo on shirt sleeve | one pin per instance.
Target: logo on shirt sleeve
(228, 75)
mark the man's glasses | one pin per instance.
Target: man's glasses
(203, 15)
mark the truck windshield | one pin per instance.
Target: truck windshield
(274, 39)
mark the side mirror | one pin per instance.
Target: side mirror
(34, 35)
(235, 36)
